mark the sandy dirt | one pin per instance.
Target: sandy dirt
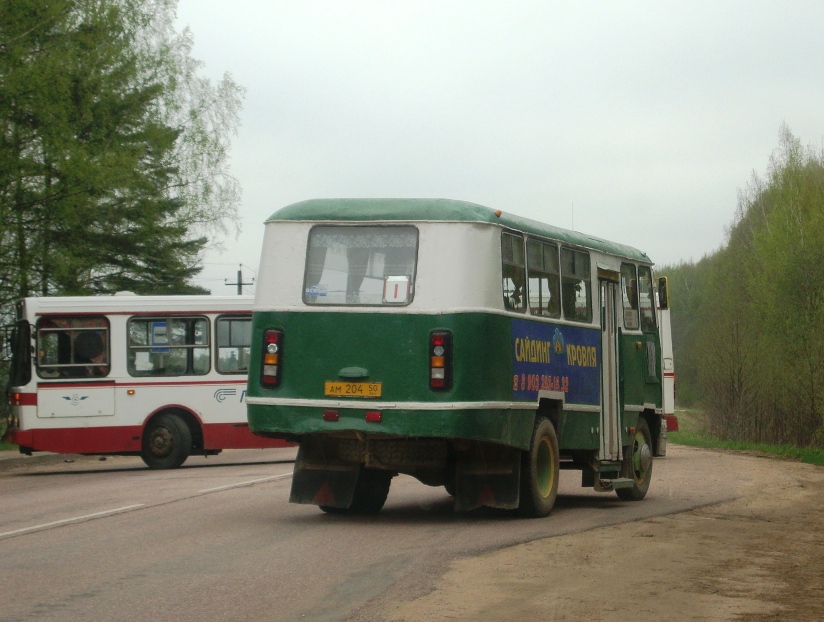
(758, 558)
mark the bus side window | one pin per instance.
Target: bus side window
(177, 346)
(544, 280)
(646, 299)
(576, 291)
(629, 293)
(234, 341)
(513, 270)
(72, 347)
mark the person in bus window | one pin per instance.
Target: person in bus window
(90, 348)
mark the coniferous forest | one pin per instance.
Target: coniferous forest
(113, 150)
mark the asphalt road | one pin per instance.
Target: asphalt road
(217, 539)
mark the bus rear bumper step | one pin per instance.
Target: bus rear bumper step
(608, 485)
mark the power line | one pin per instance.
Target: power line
(239, 282)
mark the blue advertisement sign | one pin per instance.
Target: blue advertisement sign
(556, 358)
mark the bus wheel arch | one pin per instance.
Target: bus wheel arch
(654, 423)
(168, 439)
(551, 409)
(637, 463)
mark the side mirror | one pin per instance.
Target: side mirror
(663, 292)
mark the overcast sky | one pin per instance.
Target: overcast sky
(638, 122)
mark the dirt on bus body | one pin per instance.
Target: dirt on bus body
(758, 558)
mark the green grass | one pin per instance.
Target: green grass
(693, 433)
(4, 446)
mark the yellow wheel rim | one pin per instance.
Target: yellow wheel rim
(545, 468)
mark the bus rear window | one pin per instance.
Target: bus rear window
(360, 265)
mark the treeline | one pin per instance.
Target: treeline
(113, 150)
(748, 320)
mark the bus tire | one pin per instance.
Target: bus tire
(540, 468)
(371, 491)
(637, 463)
(167, 442)
(450, 484)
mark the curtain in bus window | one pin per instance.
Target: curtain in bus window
(315, 260)
(354, 265)
(576, 293)
(629, 293)
(544, 280)
(357, 262)
(646, 299)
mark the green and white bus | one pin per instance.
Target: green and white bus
(469, 348)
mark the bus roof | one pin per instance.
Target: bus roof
(415, 210)
(131, 303)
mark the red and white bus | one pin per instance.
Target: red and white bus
(162, 377)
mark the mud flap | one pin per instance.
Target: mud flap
(322, 481)
(488, 480)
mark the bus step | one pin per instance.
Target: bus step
(615, 484)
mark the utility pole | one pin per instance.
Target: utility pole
(240, 282)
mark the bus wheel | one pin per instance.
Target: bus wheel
(167, 442)
(539, 471)
(371, 491)
(637, 464)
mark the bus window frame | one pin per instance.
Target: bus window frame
(190, 362)
(231, 317)
(412, 278)
(629, 294)
(508, 295)
(555, 293)
(649, 322)
(66, 370)
(588, 280)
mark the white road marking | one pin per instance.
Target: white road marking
(135, 506)
(71, 520)
(249, 483)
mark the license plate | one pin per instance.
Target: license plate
(352, 389)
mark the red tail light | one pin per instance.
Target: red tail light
(440, 360)
(271, 364)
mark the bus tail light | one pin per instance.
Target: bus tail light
(440, 360)
(272, 363)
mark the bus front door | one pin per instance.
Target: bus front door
(610, 430)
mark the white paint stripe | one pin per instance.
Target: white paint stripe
(72, 520)
(369, 405)
(376, 405)
(249, 483)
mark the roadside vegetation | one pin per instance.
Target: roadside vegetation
(694, 432)
(747, 337)
(113, 150)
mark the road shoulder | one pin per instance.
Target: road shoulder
(760, 557)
